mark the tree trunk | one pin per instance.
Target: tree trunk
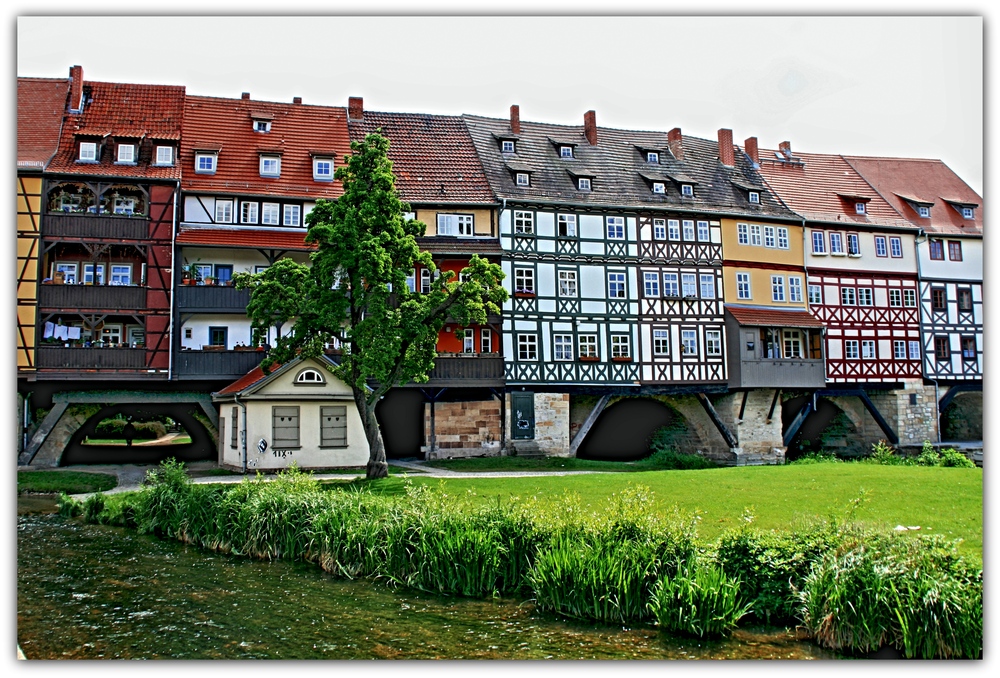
(377, 465)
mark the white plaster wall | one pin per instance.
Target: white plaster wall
(970, 268)
(867, 261)
(239, 330)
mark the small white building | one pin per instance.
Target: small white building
(299, 413)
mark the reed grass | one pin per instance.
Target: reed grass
(699, 600)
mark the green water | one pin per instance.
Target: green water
(95, 592)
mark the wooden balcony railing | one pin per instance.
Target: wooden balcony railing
(791, 373)
(208, 298)
(472, 369)
(118, 297)
(215, 364)
(83, 225)
(58, 357)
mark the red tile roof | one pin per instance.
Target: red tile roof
(821, 187)
(928, 181)
(758, 317)
(433, 157)
(127, 111)
(297, 132)
(244, 237)
(247, 380)
(41, 103)
(463, 246)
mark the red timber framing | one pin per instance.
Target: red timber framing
(29, 199)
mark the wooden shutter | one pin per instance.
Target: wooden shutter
(333, 426)
(284, 426)
(234, 423)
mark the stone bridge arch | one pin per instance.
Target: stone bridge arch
(962, 418)
(839, 424)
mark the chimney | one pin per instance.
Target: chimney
(355, 108)
(296, 100)
(590, 127)
(246, 96)
(515, 119)
(675, 142)
(750, 147)
(76, 89)
(726, 155)
(786, 149)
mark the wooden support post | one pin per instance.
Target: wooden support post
(714, 416)
(743, 405)
(879, 419)
(49, 423)
(796, 424)
(587, 424)
(774, 401)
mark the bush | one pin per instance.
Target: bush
(929, 456)
(952, 457)
(67, 506)
(664, 454)
(144, 430)
(700, 600)
(884, 454)
(819, 457)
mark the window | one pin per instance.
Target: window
(456, 224)
(819, 242)
(507, 146)
(218, 336)
(670, 288)
(851, 349)
(859, 208)
(620, 346)
(755, 235)
(524, 222)
(121, 274)
(910, 298)
(777, 288)
(687, 190)
(792, 343)
(524, 280)
(966, 212)
(284, 426)
(587, 344)
(853, 245)
(815, 294)
(469, 341)
(291, 215)
(659, 229)
(896, 247)
(616, 228)
(895, 298)
(485, 341)
(223, 211)
(968, 348)
(270, 214)
(942, 348)
(742, 234)
(924, 211)
(263, 126)
(936, 249)
(754, 198)
(234, 422)
(939, 299)
(562, 347)
(847, 296)
(659, 187)
(661, 342)
(964, 299)
(88, 274)
(673, 229)
(865, 297)
(795, 289)
(651, 284)
(688, 229)
(527, 347)
(880, 249)
(309, 376)
(616, 285)
(713, 342)
(333, 426)
(689, 342)
(565, 151)
(583, 183)
(707, 286)
(411, 280)
(425, 280)
(899, 350)
(124, 206)
(566, 226)
(112, 334)
(248, 212)
(914, 350)
(322, 169)
(652, 158)
(743, 286)
(204, 163)
(836, 243)
(567, 284)
(689, 286)
(223, 273)
(88, 151)
(523, 179)
(270, 166)
(703, 232)
(126, 153)
(868, 349)
(954, 250)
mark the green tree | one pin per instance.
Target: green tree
(355, 291)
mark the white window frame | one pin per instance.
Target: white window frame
(707, 285)
(815, 294)
(795, 289)
(860, 208)
(743, 290)
(791, 343)
(742, 234)
(568, 284)
(411, 280)
(895, 298)
(868, 349)
(469, 341)
(562, 347)
(689, 285)
(88, 274)
(778, 288)
(659, 229)
(689, 343)
(661, 342)
(617, 286)
(673, 229)
(262, 126)
(291, 215)
(126, 157)
(485, 340)
(224, 211)
(462, 225)
(524, 280)
(249, 212)
(583, 184)
(68, 269)
(924, 211)
(899, 349)
(896, 247)
(652, 157)
(688, 230)
(659, 187)
(851, 349)
(836, 243)
(671, 285)
(782, 238)
(88, 151)
(968, 213)
(270, 165)
(650, 284)
(704, 232)
(909, 298)
(615, 228)
(881, 248)
(866, 296)
(206, 163)
(687, 190)
(713, 343)
(621, 346)
(587, 346)
(164, 156)
(755, 237)
(322, 169)
(566, 226)
(507, 146)
(522, 179)
(524, 222)
(848, 297)
(914, 347)
(111, 333)
(425, 280)
(565, 151)
(527, 347)
(818, 242)
(754, 198)
(853, 245)
(124, 205)
(769, 237)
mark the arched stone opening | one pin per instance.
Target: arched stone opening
(624, 431)
(835, 426)
(400, 416)
(962, 419)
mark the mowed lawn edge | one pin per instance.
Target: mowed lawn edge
(938, 500)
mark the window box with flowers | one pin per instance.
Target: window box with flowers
(589, 359)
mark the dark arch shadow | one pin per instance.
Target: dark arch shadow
(827, 429)
(962, 419)
(400, 416)
(623, 431)
(201, 448)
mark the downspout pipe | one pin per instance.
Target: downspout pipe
(243, 432)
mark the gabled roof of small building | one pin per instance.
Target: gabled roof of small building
(298, 133)
(41, 104)
(824, 188)
(617, 163)
(433, 157)
(255, 379)
(931, 182)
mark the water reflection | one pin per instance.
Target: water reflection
(88, 592)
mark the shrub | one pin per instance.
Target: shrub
(884, 454)
(67, 506)
(929, 456)
(699, 600)
(952, 457)
(818, 457)
(667, 459)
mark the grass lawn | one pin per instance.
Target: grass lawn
(70, 482)
(535, 464)
(946, 501)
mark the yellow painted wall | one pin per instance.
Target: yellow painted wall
(483, 220)
(760, 278)
(760, 287)
(29, 199)
(732, 250)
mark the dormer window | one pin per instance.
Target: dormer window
(754, 198)
(164, 155)
(659, 187)
(263, 126)
(859, 208)
(967, 213)
(523, 179)
(270, 166)
(309, 376)
(126, 153)
(565, 151)
(583, 183)
(653, 158)
(205, 163)
(322, 169)
(924, 211)
(88, 151)
(507, 146)
(687, 190)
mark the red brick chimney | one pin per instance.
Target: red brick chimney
(515, 119)
(246, 96)
(786, 148)
(750, 146)
(590, 127)
(675, 142)
(296, 100)
(726, 154)
(76, 89)
(355, 108)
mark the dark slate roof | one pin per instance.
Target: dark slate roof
(432, 156)
(41, 103)
(621, 175)
(463, 246)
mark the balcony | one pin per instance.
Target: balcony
(211, 298)
(116, 297)
(461, 369)
(229, 365)
(59, 357)
(83, 225)
(783, 373)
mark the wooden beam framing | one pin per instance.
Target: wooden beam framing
(587, 424)
(714, 416)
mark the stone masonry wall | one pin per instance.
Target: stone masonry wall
(760, 440)
(551, 427)
(913, 423)
(463, 429)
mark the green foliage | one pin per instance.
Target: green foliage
(952, 457)
(928, 456)
(884, 454)
(667, 459)
(817, 457)
(70, 482)
(144, 430)
(67, 506)
(700, 600)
